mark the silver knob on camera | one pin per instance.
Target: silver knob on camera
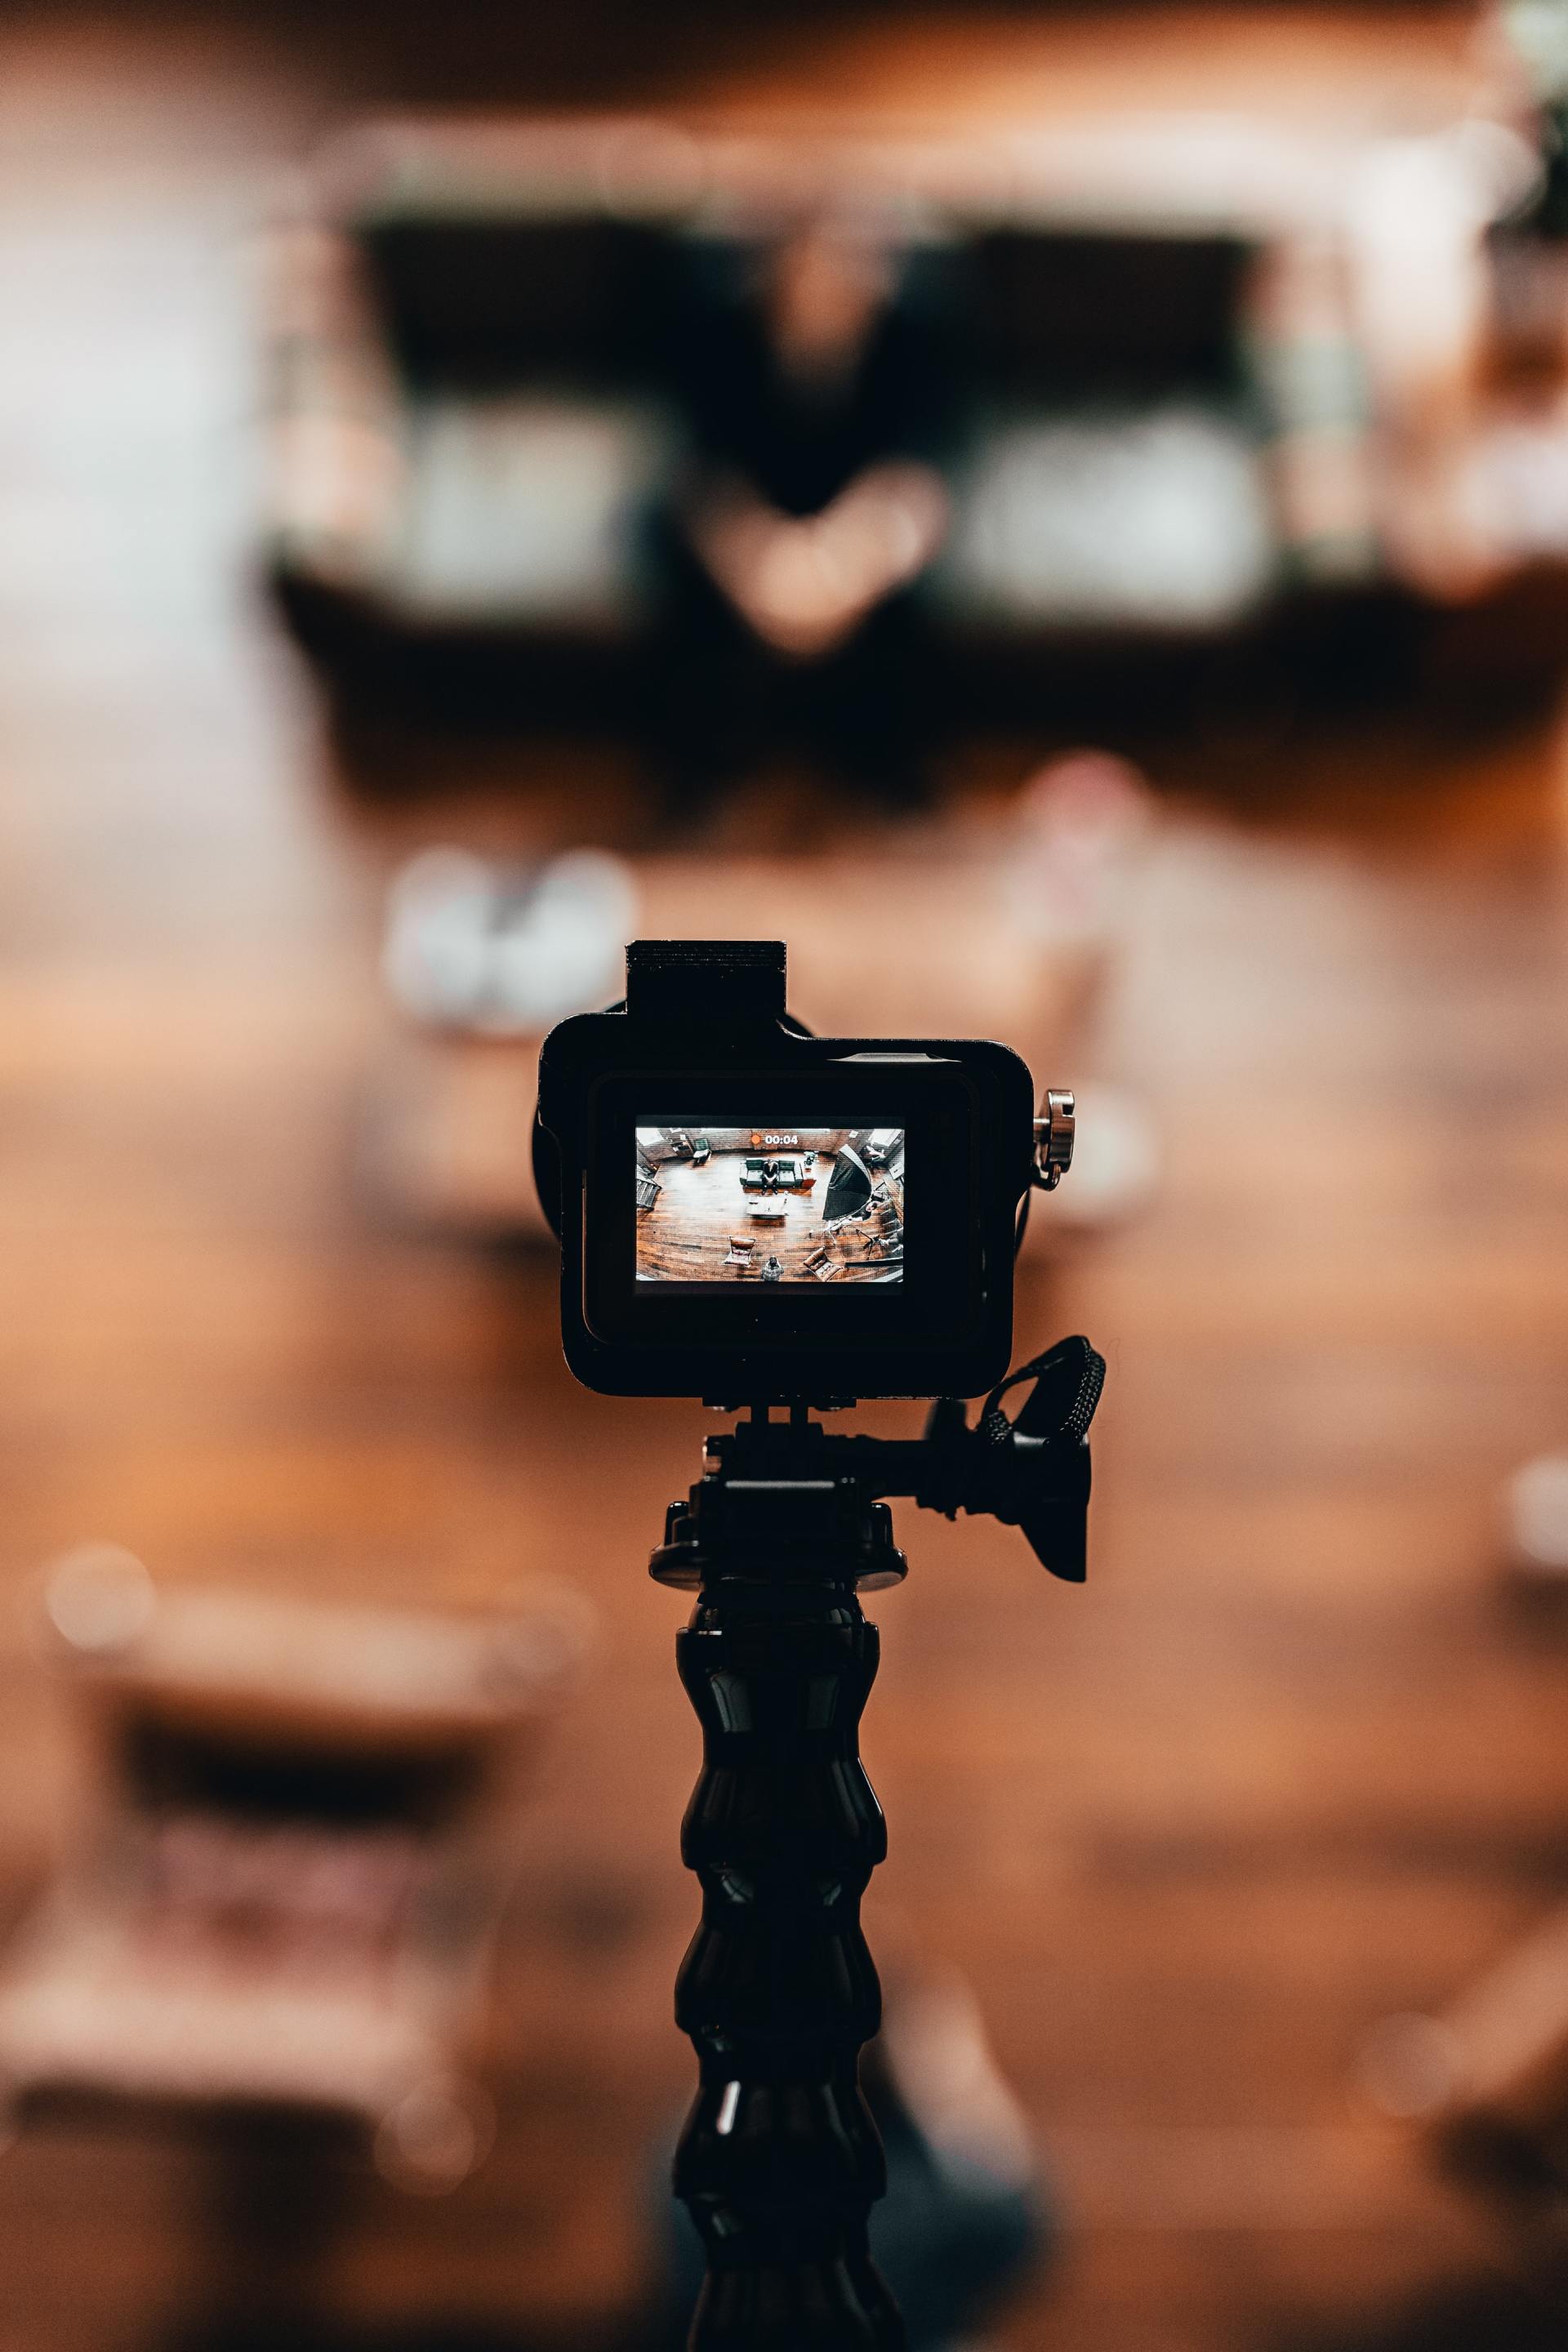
(1054, 1130)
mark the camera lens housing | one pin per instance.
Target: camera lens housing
(751, 1214)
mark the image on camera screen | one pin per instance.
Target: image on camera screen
(769, 1203)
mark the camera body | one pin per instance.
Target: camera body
(751, 1214)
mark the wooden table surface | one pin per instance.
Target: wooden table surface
(1282, 1768)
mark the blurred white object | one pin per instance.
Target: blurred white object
(435, 2138)
(1081, 824)
(525, 506)
(1157, 518)
(1537, 1512)
(471, 945)
(98, 1599)
(1409, 2066)
(1080, 829)
(1115, 1164)
(936, 2046)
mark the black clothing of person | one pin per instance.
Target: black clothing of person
(800, 439)
(723, 698)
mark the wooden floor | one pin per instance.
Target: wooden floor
(686, 1237)
(1284, 1767)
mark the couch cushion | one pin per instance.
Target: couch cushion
(1151, 517)
(528, 508)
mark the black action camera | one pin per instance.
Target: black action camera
(752, 1215)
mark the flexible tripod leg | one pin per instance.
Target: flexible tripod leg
(780, 2161)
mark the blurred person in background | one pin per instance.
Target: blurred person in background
(821, 390)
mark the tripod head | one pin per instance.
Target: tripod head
(771, 1487)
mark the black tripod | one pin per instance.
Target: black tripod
(780, 2161)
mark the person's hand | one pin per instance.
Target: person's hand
(780, 575)
(805, 583)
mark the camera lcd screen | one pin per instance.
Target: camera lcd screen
(799, 1205)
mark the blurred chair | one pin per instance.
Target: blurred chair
(277, 1923)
